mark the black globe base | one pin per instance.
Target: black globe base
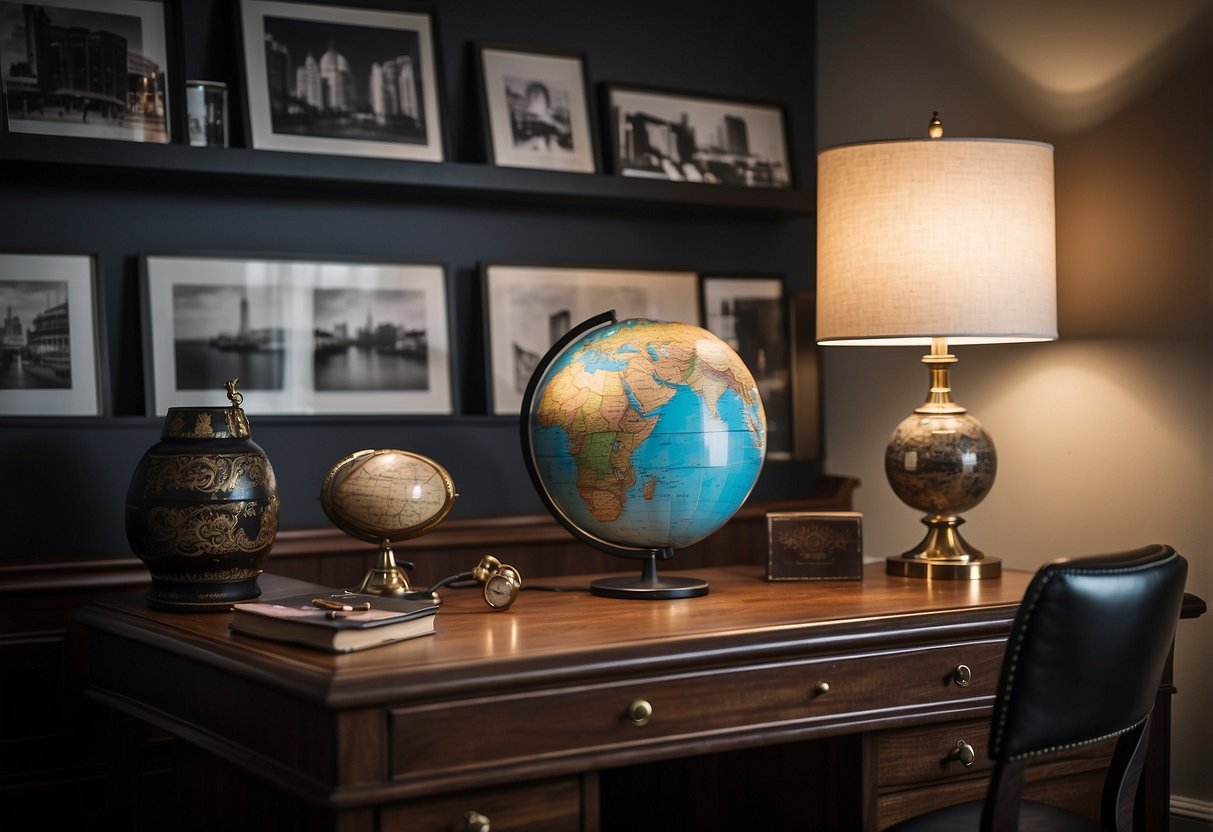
(649, 586)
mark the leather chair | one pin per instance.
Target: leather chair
(1083, 664)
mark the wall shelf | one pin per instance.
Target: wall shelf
(446, 181)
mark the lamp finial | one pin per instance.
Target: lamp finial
(935, 128)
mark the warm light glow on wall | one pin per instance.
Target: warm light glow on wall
(1084, 58)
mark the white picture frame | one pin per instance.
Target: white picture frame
(52, 341)
(529, 307)
(305, 336)
(345, 80)
(535, 108)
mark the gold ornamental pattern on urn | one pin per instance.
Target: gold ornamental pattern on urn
(202, 509)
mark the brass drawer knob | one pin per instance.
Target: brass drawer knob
(962, 675)
(965, 753)
(473, 821)
(821, 688)
(640, 712)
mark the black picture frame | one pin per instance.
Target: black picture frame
(272, 321)
(529, 306)
(53, 356)
(405, 121)
(750, 313)
(535, 108)
(141, 107)
(697, 137)
(808, 403)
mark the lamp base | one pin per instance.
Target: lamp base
(944, 555)
(944, 570)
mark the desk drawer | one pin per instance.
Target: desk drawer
(917, 771)
(551, 805)
(930, 754)
(688, 707)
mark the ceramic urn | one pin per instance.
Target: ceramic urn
(202, 509)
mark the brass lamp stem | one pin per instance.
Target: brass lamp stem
(939, 397)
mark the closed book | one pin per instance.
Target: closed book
(300, 620)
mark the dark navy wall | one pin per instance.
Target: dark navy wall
(62, 481)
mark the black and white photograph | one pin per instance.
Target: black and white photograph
(530, 307)
(370, 339)
(91, 68)
(694, 138)
(750, 314)
(302, 336)
(342, 80)
(229, 331)
(536, 108)
(51, 348)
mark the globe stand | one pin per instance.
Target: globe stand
(387, 578)
(649, 586)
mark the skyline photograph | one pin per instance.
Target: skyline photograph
(344, 81)
(121, 96)
(34, 335)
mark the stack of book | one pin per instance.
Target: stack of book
(336, 621)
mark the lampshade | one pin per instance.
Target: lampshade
(949, 238)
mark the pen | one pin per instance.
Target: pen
(337, 606)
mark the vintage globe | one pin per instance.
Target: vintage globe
(385, 495)
(644, 435)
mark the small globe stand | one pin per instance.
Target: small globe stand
(388, 578)
(649, 586)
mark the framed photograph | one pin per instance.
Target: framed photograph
(303, 336)
(535, 108)
(750, 314)
(806, 371)
(528, 308)
(52, 345)
(344, 80)
(687, 137)
(92, 68)
(815, 546)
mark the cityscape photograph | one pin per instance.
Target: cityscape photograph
(370, 339)
(693, 140)
(82, 72)
(35, 338)
(223, 332)
(340, 81)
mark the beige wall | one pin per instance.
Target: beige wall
(1105, 437)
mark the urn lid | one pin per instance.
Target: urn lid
(208, 422)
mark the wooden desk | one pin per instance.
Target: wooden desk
(788, 705)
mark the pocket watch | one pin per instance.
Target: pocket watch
(501, 582)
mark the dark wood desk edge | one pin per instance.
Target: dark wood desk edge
(321, 678)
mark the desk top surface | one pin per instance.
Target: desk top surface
(571, 636)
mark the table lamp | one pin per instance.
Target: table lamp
(929, 242)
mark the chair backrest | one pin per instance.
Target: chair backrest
(1087, 651)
